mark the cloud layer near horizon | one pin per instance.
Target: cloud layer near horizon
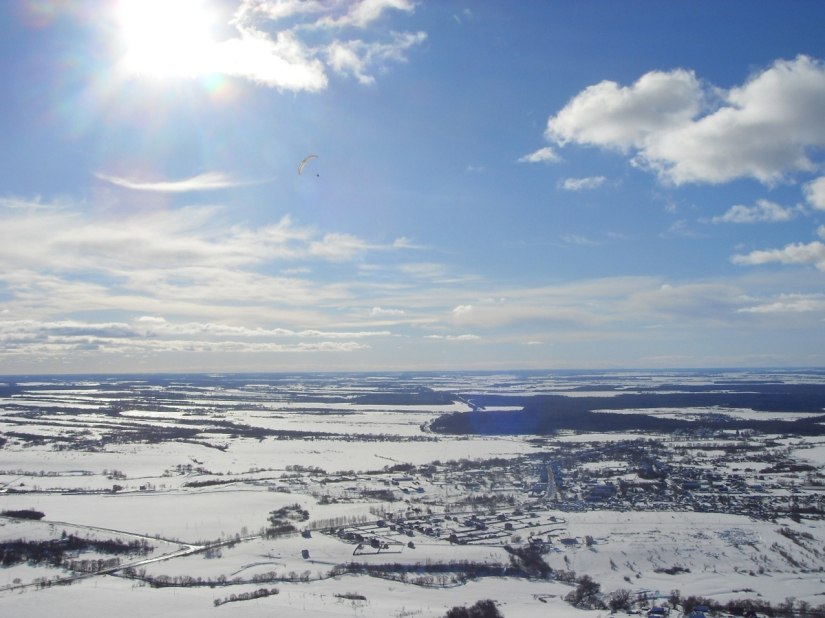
(58, 261)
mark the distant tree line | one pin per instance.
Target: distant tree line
(54, 551)
(24, 514)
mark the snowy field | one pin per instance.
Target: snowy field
(199, 471)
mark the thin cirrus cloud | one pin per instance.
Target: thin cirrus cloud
(687, 131)
(466, 337)
(203, 182)
(154, 324)
(793, 303)
(173, 39)
(764, 211)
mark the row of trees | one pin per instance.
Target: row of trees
(246, 596)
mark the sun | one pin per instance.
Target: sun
(167, 37)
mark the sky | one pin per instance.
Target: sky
(497, 185)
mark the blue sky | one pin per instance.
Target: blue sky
(498, 185)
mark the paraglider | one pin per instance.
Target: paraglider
(304, 162)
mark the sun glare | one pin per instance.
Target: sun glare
(167, 37)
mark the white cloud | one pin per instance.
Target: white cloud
(283, 63)
(624, 117)
(204, 182)
(180, 262)
(820, 231)
(173, 39)
(689, 132)
(150, 334)
(815, 193)
(789, 303)
(577, 184)
(154, 327)
(794, 253)
(763, 211)
(462, 309)
(466, 337)
(361, 13)
(405, 243)
(546, 154)
(159, 326)
(355, 57)
(67, 240)
(337, 247)
(376, 311)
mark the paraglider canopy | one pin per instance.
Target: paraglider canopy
(304, 162)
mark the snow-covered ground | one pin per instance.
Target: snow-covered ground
(340, 459)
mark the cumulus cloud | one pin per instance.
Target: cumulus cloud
(577, 184)
(624, 117)
(687, 131)
(764, 211)
(815, 193)
(794, 253)
(462, 309)
(546, 154)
